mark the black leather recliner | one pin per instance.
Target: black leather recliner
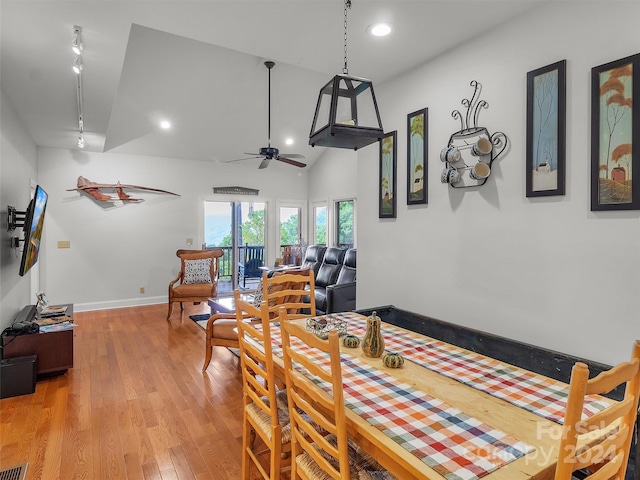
(341, 297)
(313, 258)
(327, 275)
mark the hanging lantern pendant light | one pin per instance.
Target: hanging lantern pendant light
(346, 114)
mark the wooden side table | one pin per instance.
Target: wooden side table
(54, 349)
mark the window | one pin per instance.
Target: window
(289, 226)
(319, 225)
(345, 221)
(290, 234)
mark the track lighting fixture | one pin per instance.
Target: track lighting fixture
(78, 47)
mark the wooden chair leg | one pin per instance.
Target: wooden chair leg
(207, 357)
(170, 310)
(246, 445)
(275, 461)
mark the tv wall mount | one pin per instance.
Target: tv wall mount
(16, 218)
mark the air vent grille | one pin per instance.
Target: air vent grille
(18, 472)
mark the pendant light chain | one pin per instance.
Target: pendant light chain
(347, 5)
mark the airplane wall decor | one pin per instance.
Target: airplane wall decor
(94, 189)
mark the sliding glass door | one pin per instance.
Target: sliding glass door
(238, 228)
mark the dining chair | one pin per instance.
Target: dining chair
(325, 452)
(197, 280)
(294, 289)
(606, 456)
(278, 290)
(265, 411)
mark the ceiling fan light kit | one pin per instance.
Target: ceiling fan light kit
(347, 113)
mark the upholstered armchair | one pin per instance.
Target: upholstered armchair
(198, 277)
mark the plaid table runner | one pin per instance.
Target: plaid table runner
(455, 445)
(540, 395)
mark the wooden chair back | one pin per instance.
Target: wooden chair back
(259, 383)
(214, 254)
(607, 456)
(309, 404)
(294, 289)
(291, 296)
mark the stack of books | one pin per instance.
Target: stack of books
(55, 311)
(54, 319)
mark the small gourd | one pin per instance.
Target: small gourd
(373, 342)
(351, 341)
(393, 360)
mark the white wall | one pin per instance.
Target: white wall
(546, 270)
(115, 251)
(18, 165)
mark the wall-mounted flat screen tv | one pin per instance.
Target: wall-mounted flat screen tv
(33, 224)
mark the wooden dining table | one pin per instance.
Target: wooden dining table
(535, 436)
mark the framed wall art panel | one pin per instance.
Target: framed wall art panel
(615, 135)
(387, 199)
(546, 130)
(417, 154)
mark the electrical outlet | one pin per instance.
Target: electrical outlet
(141, 289)
(64, 244)
(189, 241)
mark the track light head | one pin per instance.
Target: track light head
(77, 46)
(77, 65)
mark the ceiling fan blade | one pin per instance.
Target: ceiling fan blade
(244, 158)
(292, 155)
(291, 162)
(250, 153)
(264, 163)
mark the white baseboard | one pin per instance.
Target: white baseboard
(129, 302)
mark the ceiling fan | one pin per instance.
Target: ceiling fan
(269, 153)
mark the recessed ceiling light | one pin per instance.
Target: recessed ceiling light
(289, 141)
(380, 29)
(165, 124)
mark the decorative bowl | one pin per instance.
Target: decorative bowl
(321, 326)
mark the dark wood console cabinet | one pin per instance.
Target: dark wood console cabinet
(54, 349)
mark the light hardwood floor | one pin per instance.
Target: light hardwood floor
(135, 405)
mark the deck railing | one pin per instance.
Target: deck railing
(226, 263)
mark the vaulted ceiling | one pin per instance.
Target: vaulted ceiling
(200, 64)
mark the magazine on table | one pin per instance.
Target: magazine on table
(58, 327)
